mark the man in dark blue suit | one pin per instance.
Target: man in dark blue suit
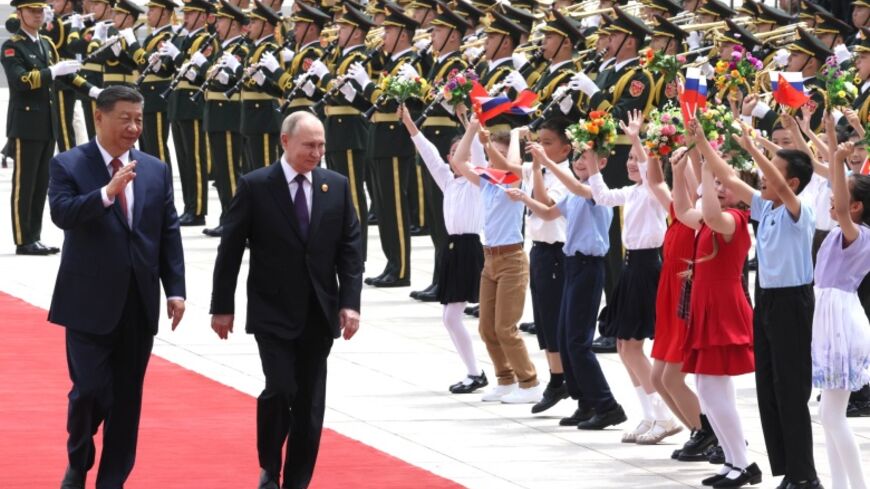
(121, 238)
(304, 288)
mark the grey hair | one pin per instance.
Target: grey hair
(292, 121)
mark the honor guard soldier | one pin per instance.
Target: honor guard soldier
(119, 68)
(862, 65)
(732, 36)
(768, 19)
(530, 67)
(392, 152)
(667, 39)
(221, 114)
(663, 8)
(31, 63)
(92, 37)
(261, 114)
(441, 127)
(155, 73)
(347, 131)
(860, 19)
(834, 32)
(189, 55)
(473, 16)
(708, 12)
(502, 38)
(622, 88)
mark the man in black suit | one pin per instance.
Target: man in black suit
(121, 238)
(304, 288)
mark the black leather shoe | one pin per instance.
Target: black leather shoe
(476, 382)
(858, 410)
(418, 231)
(695, 449)
(430, 295)
(551, 397)
(783, 484)
(476, 312)
(31, 249)
(469, 310)
(391, 280)
(73, 479)
(267, 480)
(749, 475)
(372, 280)
(373, 219)
(192, 220)
(416, 293)
(214, 232)
(752, 265)
(709, 481)
(602, 420)
(813, 484)
(604, 344)
(580, 414)
(52, 250)
(716, 455)
(525, 327)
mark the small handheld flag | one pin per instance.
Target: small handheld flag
(788, 89)
(694, 96)
(496, 177)
(487, 107)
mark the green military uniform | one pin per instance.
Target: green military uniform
(221, 116)
(862, 101)
(92, 69)
(665, 91)
(31, 126)
(558, 74)
(119, 67)
(297, 99)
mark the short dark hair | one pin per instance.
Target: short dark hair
(861, 193)
(117, 93)
(558, 125)
(797, 165)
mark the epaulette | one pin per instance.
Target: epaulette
(16, 38)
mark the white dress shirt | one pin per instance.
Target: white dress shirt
(817, 194)
(644, 217)
(290, 175)
(463, 208)
(537, 228)
(128, 190)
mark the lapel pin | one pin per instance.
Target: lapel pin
(324, 187)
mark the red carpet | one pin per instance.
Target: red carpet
(195, 433)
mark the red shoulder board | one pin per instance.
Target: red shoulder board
(636, 88)
(306, 64)
(9, 52)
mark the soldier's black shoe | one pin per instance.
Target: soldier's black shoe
(51, 249)
(391, 280)
(604, 344)
(214, 232)
(418, 231)
(372, 280)
(580, 414)
(31, 249)
(429, 295)
(813, 484)
(613, 417)
(192, 220)
(415, 293)
(72, 479)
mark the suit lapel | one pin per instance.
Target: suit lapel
(281, 192)
(138, 190)
(318, 195)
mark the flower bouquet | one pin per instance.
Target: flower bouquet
(457, 89)
(739, 72)
(721, 130)
(597, 133)
(668, 65)
(400, 88)
(840, 85)
(665, 131)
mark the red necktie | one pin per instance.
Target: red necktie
(122, 195)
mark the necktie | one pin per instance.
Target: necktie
(301, 206)
(122, 195)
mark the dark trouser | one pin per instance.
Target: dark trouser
(261, 150)
(547, 263)
(107, 372)
(66, 135)
(615, 176)
(818, 238)
(417, 196)
(225, 156)
(391, 175)
(29, 187)
(783, 376)
(351, 164)
(584, 281)
(89, 106)
(192, 155)
(155, 133)
(371, 185)
(293, 402)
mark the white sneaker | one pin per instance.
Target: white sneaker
(659, 431)
(498, 392)
(529, 395)
(643, 427)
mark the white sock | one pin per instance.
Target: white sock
(720, 402)
(843, 453)
(645, 403)
(659, 408)
(452, 317)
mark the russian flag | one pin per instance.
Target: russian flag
(487, 107)
(865, 167)
(694, 94)
(788, 88)
(496, 177)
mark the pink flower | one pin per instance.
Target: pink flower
(736, 55)
(668, 130)
(666, 118)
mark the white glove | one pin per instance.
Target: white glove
(693, 40)
(66, 67)
(560, 92)
(259, 77)
(519, 60)
(408, 72)
(707, 70)
(516, 81)
(448, 107)
(591, 21)
(128, 35)
(190, 73)
(95, 92)
(116, 48)
(169, 49)
(781, 57)
(760, 110)
(473, 53)
(566, 105)
(101, 30)
(76, 21)
(308, 88)
(348, 91)
(154, 60)
(318, 69)
(358, 73)
(230, 61)
(198, 59)
(287, 55)
(842, 53)
(422, 44)
(223, 78)
(270, 62)
(583, 83)
(49, 13)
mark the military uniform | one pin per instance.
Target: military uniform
(92, 70)
(61, 33)
(666, 91)
(558, 73)
(297, 98)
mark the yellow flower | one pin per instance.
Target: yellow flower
(841, 94)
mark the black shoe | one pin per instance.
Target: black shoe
(418, 231)
(709, 481)
(391, 280)
(858, 410)
(429, 295)
(372, 280)
(72, 479)
(551, 397)
(580, 415)
(604, 344)
(373, 219)
(525, 327)
(52, 250)
(32, 249)
(267, 480)
(469, 310)
(749, 475)
(192, 220)
(214, 232)
(715, 455)
(783, 484)
(415, 293)
(752, 265)
(463, 387)
(813, 484)
(695, 449)
(476, 312)
(602, 420)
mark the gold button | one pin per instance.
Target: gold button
(220, 104)
(437, 131)
(339, 120)
(152, 88)
(392, 127)
(256, 106)
(27, 108)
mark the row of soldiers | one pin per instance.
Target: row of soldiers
(225, 77)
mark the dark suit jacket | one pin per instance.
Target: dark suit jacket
(284, 269)
(101, 252)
